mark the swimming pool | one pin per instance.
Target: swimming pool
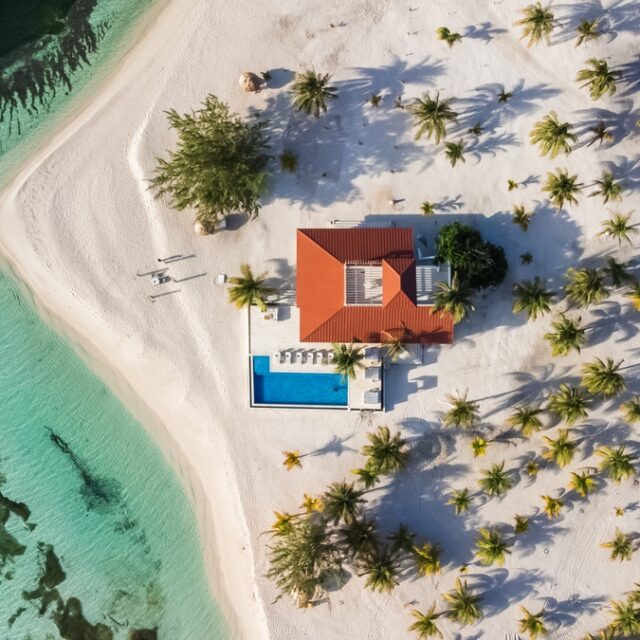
(297, 389)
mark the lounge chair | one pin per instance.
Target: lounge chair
(372, 373)
(372, 397)
(299, 357)
(288, 357)
(330, 357)
(372, 353)
(277, 357)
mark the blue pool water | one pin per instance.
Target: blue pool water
(321, 389)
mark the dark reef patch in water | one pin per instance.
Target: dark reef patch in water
(9, 546)
(35, 71)
(72, 624)
(144, 634)
(51, 576)
(98, 492)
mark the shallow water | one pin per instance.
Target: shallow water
(97, 505)
(51, 53)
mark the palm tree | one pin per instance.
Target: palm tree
(552, 136)
(369, 477)
(431, 116)
(425, 623)
(634, 295)
(560, 450)
(601, 134)
(463, 412)
(463, 604)
(454, 151)
(526, 418)
(444, 33)
(532, 298)
(248, 289)
(303, 560)
(495, 481)
(538, 23)
(618, 227)
(532, 624)
(621, 546)
(461, 500)
(521, 217)
(427, 558)
(427, 208)
(583, 483)
(585, 286)
(531, 468)
(341, 501)
(552, 506)
(626, 618)
(454, 298)
(479, 446)
(347, 359)
(599, 78)
(562, 187)
(569, 403)
(521, 524)
(311, 504)
(311, 91)
(567, 334)
(512, 185)
(504, 96)
(402, 539)
(490, 548)
(587, 30)
(358, 537)
(526, 258)
(380, 569)
(616, 463)
(385, 453)
(393, 346)
(631, 410)
(292, 459)
(283, 523)
(288, 161)
(608, 188)
(617, 272)
(603, 377)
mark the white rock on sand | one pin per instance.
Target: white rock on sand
(79, 222)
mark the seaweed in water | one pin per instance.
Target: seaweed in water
(96, 491)
(35, 71)
(72, 624)
(51, 576)
(143, 634)
(9, 546)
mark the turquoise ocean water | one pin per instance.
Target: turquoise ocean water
(97, 538)
(53, 53)
(102, 501)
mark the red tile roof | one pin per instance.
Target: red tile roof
(324, 317)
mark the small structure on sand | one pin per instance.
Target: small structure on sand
(250, 82)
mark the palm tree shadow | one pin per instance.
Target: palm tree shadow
(500, 589)
(335, 446)
(483, 107)
(352, 138)
(619, 123)
(484, 31)
(567, 612)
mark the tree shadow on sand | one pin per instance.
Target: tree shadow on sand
(352, 139)
(483, 107)
(620, 123)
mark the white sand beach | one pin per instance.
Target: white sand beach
(78, 224)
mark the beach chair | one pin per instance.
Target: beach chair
(371, 397)
(277, 357)
(372, 373)
(330, 357)
(372, 353)
(221, 278)
(288, 357)
(299, 357)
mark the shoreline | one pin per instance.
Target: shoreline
(228, 587)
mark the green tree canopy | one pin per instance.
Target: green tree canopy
(219, 165)
(477, 262)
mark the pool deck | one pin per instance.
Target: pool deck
(271, 337)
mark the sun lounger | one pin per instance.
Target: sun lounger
(330, 357)
(372, 353)
(277, 357)
(221, 278)
(372, 397)
(299, 357)
(288, 357)
(372, 373)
